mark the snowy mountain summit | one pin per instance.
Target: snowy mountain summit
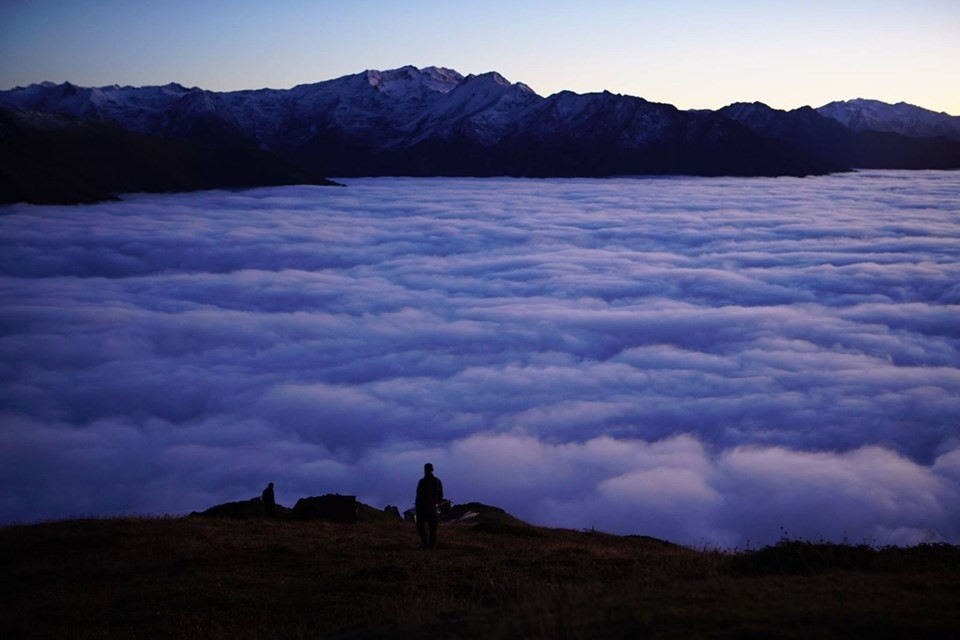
(905, 119)
(435, 121)
(410, 80)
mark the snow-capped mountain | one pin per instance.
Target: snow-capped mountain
(436, 121)
(809, 132)
(400, 105)
(905, 119)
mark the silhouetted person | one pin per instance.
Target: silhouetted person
(269, 504)
(429, 495)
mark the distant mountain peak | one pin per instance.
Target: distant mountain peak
(442, 73)
(489, 76)
(864, 114)
(743, 108)
(409, 78)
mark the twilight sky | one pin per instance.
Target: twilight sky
(690, 53)
(702, 360)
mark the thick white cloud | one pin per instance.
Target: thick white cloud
(701, 359)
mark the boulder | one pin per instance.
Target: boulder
(390, 510)
(329, 507)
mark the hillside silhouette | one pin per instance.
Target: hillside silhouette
(491, 576)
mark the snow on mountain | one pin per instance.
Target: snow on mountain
(409, 83)
(905, 119)
(386, 101)
(435, 121)
(482, 108)
(396, 107)
(622, 120)
(810, 132)
(135, 109)
(412, 104)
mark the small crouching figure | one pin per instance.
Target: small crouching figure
(269, 503)
(429, 495)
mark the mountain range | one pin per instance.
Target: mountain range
(64, 143)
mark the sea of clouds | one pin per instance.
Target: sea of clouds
(712, 361)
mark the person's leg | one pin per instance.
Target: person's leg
(433, 529)
(422, 520)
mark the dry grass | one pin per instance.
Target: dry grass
(212, 578)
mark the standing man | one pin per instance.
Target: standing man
(429, 495)
(269, 504)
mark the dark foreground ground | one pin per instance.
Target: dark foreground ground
(489, 578)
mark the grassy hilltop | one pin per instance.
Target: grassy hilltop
(490, 577)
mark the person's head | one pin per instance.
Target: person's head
(428, 469)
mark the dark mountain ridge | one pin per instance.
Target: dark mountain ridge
(434, 122)
(810, 132)
(57, 159)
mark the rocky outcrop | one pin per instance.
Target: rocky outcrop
(243, 510)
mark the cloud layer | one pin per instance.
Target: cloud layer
(706, 360)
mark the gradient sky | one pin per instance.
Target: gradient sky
(690, 53)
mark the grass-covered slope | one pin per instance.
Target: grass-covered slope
(491, 577)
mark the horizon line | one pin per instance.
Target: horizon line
(468, 75)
